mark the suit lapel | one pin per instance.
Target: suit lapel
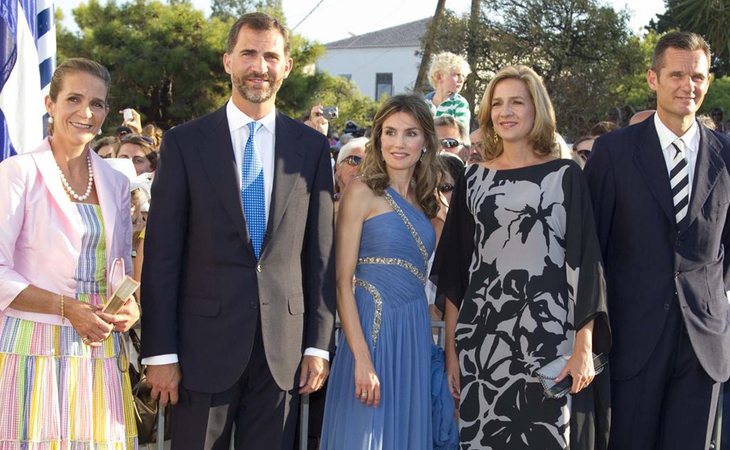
(708, 166)
(219, 162)
(49, 171)
(650, 161)
(287, 170)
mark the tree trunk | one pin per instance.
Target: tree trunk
(428, 44)
(470, 90)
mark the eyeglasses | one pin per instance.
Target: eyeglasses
(446, 187)
(353, 160)
(450, 143)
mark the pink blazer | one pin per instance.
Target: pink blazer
(40, 227)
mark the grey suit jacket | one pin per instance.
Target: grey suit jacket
(203, 291)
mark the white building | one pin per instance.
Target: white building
(380, 63)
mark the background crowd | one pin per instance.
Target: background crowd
(261, 225)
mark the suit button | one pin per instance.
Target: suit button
(258, 268)
(666, 306)
(253, 305)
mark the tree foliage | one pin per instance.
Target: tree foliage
(233, 9)
(583, 50)
(166, 60)
(710, 18)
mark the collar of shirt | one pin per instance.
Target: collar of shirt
(265, 142)
(691, 137)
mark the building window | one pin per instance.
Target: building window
(383, 85)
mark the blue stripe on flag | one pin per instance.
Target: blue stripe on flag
(46, 68)
(8, 42)
(44, 22)
(6, 147)
(13, 25)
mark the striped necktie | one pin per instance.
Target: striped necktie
(252, 191)
(679, 181)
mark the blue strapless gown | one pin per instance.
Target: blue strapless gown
(391, 302)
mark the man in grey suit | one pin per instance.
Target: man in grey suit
(661, 191)
(238, 279)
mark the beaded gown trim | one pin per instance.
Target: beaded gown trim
(409, 225)
(394, 262)
(372, 290)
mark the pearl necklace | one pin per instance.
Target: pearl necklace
(68, 188)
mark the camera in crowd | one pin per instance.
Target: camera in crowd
(354, 129)
(330, 112)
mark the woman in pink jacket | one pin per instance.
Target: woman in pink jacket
(65, 243)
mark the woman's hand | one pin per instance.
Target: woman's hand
(125, 318)
(453, 373)
(580, 368)
(87, 323)
(367, 384)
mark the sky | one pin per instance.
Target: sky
(330, 20)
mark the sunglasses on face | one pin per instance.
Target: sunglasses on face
(449, 143)
(446, 187)
(353, 160)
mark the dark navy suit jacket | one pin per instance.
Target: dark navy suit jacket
(649, 262)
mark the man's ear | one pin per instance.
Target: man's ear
(652, 79)
(288, 67)
(227, 63)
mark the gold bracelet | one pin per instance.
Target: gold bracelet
(63, 315)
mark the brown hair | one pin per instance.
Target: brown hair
(428, 169)
(542, 135)
(147, 144)
(73, 65)
(260, 22)
(681, 40)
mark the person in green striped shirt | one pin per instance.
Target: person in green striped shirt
(447, 74)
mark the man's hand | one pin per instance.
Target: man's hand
(164, 381)
(317, 120)
(312, 374)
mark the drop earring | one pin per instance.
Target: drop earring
(495, 138)
(50, 119)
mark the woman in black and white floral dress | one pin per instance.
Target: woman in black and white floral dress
(519, 276)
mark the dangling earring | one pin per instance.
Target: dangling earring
(423, 152)
(98, 132)
(50, 119)
(495, 138)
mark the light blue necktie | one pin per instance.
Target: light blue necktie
(252, 191)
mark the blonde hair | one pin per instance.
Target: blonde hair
(428, 169)
(542, 135)
(444, 62)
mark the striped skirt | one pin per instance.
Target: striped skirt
(58, 394)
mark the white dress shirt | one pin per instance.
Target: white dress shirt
(265, 141)
(691, 139)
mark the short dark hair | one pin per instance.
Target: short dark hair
(681, 40)
(260, 22)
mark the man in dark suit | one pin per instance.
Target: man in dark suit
(661, 191)
(238, 279)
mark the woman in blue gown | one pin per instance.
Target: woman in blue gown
(378, 396)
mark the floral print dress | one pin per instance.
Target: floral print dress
(520, 258)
